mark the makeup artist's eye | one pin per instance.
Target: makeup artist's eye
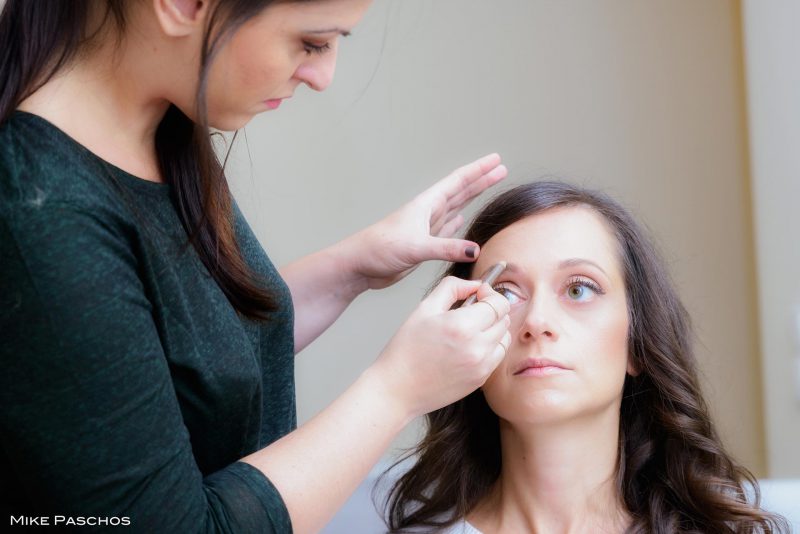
(312, 48)
(581, 289)
(512, 297)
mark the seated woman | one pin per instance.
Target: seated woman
(594, 422)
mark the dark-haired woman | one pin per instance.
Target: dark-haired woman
(594, 422)
(147, 341)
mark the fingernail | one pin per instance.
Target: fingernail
(470, 252)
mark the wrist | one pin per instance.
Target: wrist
(396, 405)
(345, 255)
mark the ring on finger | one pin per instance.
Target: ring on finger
(496, 313)
(505, 349)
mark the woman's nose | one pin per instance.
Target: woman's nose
(538, 323)
(317, 73)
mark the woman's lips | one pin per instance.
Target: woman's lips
(273, 103)
(541, 371)
(539, 367)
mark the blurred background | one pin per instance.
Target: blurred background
(687, 111)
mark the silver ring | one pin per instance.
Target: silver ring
(496, 313)
(505, 349)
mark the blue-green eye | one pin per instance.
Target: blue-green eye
(582, 290)
(512, 297)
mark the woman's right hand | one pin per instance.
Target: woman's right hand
(439, 355)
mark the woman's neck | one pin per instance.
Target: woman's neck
(558, 478)
(106, 102)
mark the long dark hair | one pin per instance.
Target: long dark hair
(40, 37)
(673, 474)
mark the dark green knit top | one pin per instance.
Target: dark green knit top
(129, 385)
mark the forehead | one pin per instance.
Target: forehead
(552, 236)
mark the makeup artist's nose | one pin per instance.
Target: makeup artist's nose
(317, 72)
(537, 323)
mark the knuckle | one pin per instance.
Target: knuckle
(451, 331)
(503, 306)
(478, 382)
(473, 359)
(456, 332)
(453, 249)
(449, 280)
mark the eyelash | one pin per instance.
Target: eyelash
(500, 287)
(316, 49)
(575, 280)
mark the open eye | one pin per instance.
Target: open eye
(582, 290)
(512, 297)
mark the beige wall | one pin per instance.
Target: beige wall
(774, 110)
(642, 99)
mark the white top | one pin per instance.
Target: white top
(461, 527)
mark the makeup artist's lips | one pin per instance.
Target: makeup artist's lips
(273, 103)
(539, 367)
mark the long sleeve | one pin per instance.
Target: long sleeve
(90, 422)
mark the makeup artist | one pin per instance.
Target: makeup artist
(147, 342)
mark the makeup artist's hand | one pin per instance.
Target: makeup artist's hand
(440, 355)
(422, 229)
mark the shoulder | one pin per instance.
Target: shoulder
(39, 165)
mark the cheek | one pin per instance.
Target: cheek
(496, 390)
(239, 83)
(254, 72)
(250, 68)
(494, 381)
(605, 350)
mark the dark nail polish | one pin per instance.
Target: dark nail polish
(470, 252)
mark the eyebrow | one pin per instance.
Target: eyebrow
(343, 33)
(571, 262)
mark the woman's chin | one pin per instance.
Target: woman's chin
(539, 407)
(229, 123)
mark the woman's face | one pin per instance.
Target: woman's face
(569, 321)
(288, 44)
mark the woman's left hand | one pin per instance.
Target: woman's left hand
(422, 230)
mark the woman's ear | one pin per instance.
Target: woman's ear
(632, 368)
(180, 18)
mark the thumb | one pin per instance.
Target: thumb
(455, 250)
(449, 291)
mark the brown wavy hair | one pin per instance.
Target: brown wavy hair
(673, 474)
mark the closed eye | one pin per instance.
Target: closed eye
(312, 48)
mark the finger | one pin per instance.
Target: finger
(461, 178)
(471, 171)
(449, 291)
(491, 308)
(461, 198)
(506, 340)
(497, 333)
(500, 352)
(444, 209)
(447, 202)
(450, 227)
(456, 250)
(440, 218)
